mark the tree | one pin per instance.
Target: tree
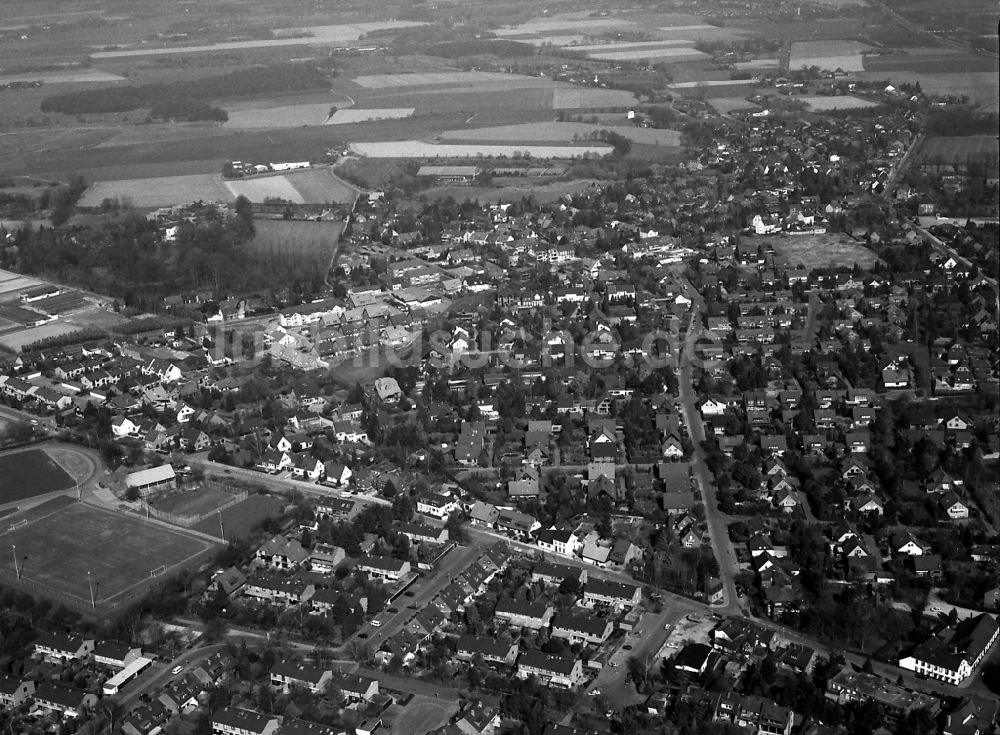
(636, 668)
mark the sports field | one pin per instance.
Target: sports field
(194, 502)
(118, 551)
(238, 519)
(825, 250)
(28, 473)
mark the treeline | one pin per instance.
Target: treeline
(961, 121)
(480, 47)
(178, 99)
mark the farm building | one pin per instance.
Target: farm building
(450, 174)
(149, 480)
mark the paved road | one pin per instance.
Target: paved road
(646, 641)
(714, 518)
(424, 590)
(303, 486)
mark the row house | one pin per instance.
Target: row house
(279, 590)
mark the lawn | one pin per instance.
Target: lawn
(118, 552)
(239, 519)
(29, 473)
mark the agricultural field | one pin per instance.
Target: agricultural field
(324, 35)
(727, 105)
(551, 132)
(831, 55)
(158, 192)
(820, 103)
(827, 250)
(313, 240)
(239, 519)
(961, 150)
(17, 340)
(445, 78)
(420, 149)
(29, 473)
(313, 186)
(279, 117)
(980, 87)
(117, 552)
(929, 61)
(70, 76)
(585, 98)
(12, 284)
(669, 53)
(357, 115)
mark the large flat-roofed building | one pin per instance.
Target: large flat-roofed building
(896, 702)
(152, 479)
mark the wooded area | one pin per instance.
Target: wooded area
(188, 100)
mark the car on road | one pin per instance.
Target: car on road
(176, 670)
(614, 664)
(593, 692)
(393, 610)
(376, 623)
(362, 636)
(626, 647)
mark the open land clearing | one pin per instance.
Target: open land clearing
(547, 132)
(420, 149)
(118, 552)
(826, 250)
